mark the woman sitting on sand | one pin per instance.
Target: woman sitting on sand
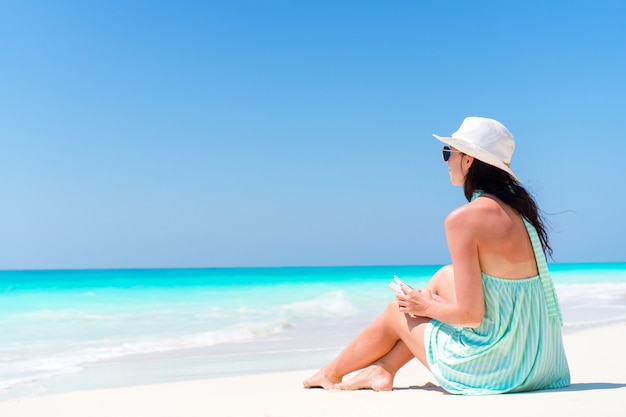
(490, 322)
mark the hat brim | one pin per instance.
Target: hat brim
(476, 152)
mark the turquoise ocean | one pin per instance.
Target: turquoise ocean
(84, 329)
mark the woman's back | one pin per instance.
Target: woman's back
(504, 247)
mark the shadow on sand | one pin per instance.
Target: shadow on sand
(591, 386)
(582, 386)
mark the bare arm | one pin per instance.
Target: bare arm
(462, 231)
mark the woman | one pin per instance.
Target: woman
(490, 322)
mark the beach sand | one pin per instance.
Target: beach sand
(596, 356)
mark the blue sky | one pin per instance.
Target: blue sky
(279, 133)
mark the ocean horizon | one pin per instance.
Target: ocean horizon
(81, 329)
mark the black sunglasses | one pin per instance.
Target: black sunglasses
(446, 151)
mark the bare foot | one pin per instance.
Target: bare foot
(373, 377)
(321, 380)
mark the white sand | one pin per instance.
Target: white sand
(597, 359)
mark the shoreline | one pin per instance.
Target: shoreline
(63, 333)
(215, 362)
(595, 355)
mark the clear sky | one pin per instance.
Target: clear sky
(280, 133)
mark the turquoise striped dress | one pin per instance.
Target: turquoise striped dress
(518, 346)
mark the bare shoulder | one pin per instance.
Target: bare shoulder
(494, 233)
(475, 214)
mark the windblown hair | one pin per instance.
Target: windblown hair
(492, 180)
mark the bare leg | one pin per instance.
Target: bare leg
(442, 284)
(384, 346)
(379, 375)
(376, 345)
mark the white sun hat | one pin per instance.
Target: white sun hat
(486, 140)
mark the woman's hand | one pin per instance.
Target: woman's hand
(415, 302)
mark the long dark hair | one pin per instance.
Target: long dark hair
(492, 180)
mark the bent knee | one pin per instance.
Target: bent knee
(442, 283)
(446, 271)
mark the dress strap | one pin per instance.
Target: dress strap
(477, 194)
(552, 302)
